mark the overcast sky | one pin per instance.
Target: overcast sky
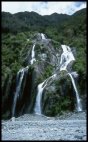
(44, 8)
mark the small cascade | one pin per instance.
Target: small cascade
(19, 79)
(74, 74)
(43, 36)
(79, 106)
(41, 86)
(13, 119)
(66, 58)
(33, 55)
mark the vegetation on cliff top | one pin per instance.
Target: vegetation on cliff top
(71, 32)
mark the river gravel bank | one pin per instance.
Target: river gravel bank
(70, 126)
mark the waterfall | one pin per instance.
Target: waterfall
(79, 106)
(66, 58)
(43, 36)
(41, 86)
(19, 79)
(33, 55)
(37, 108)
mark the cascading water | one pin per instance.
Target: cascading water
(33, 55)
(19, 79)
(43, 36)
(37, 108)
(18, 87)
(79, 106)
(66, 58)
(41, 86)
(74, 74)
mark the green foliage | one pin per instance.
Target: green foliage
(39, 80)
(6, 115)
(60, 101)
(48, 72)
(38, 48)
(57, 105)
(80, 63)
(29, 21)
(15, 67)
(15, 48)
(56, 44)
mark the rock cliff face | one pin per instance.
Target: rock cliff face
(42, 61)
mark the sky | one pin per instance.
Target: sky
(44, 8)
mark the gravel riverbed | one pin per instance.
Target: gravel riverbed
(70, 126)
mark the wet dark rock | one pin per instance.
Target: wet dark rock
(8, 94)
(58, 96)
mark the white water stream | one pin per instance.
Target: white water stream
(43, 36)
(33, 55)
(19, 79)
(66, 58)
(79, 106)
(41, 86)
